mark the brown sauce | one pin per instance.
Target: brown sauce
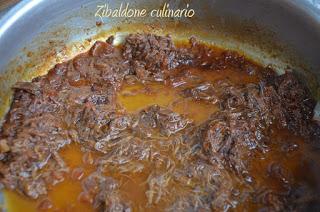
(148, 126)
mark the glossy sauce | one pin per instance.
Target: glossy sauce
(65, 195)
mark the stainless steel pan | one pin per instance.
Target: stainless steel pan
(35, 34)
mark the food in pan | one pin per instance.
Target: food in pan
(150, 125)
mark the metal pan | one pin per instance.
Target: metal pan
(36, 34)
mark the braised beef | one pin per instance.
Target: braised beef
(167, 121)
(104, 191)
(152, 56)
(188, 166)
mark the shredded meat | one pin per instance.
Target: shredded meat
(189, 166)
